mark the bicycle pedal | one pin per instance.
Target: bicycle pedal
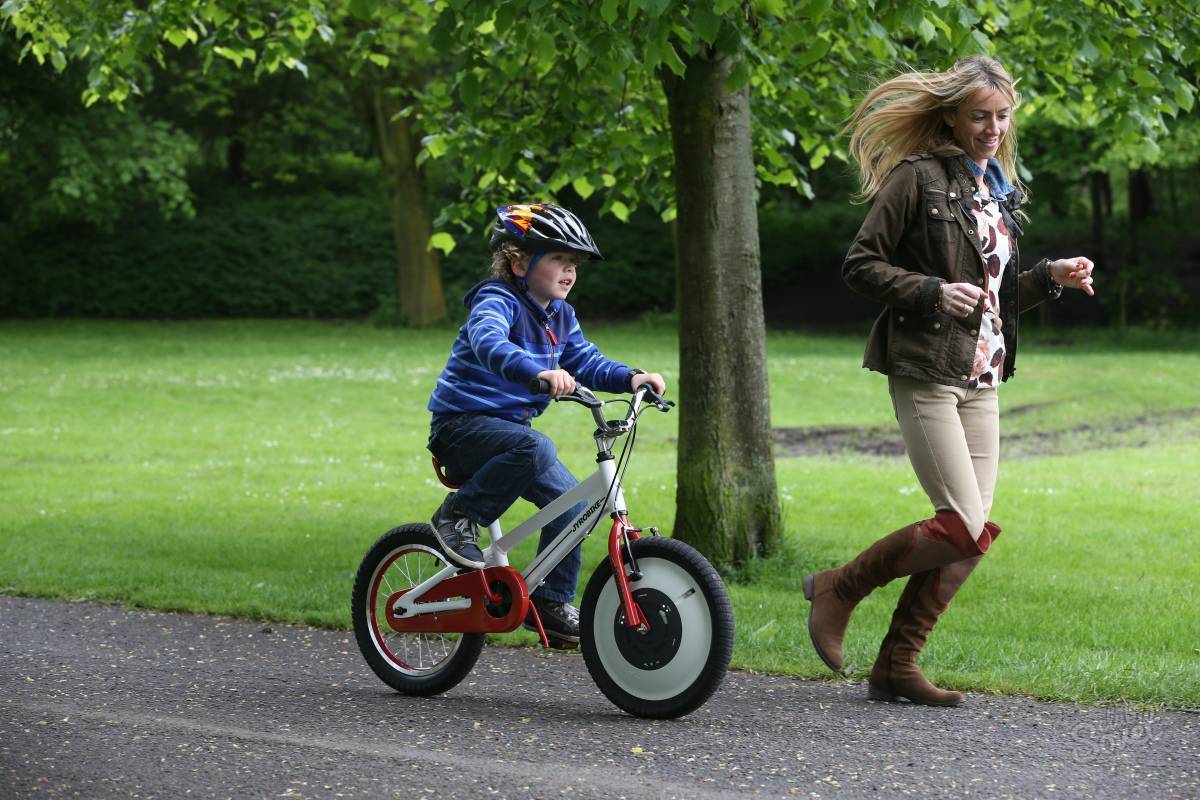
(561, 644)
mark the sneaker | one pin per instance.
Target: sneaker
(561, 620)
(457, 535)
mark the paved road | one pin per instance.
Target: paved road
(100, 701)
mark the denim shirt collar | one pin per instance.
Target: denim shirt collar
(997, 181)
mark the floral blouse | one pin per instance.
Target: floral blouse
(988, 369)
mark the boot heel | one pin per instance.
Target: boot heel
(808, 588)
(875, 693)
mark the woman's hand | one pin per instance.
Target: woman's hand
(960, 299)
(1073, 273)
(560, 381)
(653, 378)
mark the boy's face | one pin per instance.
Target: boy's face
(552, 277)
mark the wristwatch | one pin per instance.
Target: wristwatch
(629, 378)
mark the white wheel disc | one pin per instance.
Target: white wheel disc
(695, 641)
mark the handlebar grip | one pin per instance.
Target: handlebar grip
(539, 386)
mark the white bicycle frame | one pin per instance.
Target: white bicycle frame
(602, 492)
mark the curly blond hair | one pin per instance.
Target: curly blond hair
(906, 115)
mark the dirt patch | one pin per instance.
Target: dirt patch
(817, 441)
(1133, 432)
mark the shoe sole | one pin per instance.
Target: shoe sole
(453, 556)
(553, 637)
(885, 696)
(808, 595)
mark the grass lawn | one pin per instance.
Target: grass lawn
(245, 467)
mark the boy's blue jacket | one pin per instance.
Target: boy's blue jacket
(506, 341)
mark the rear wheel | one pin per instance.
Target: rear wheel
(674, 667)
(412, 663)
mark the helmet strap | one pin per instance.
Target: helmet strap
(529, 270)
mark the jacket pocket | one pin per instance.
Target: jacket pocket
(941, 220)
(915, 338)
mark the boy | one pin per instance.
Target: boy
(519, 328)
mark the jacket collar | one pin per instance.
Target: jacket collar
(997, 181)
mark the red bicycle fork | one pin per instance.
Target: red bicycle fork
(621, 533)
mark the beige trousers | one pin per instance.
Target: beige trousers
(953, 440)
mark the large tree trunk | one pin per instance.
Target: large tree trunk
(418, 279)
(726, 500)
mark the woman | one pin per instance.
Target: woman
(936, 154)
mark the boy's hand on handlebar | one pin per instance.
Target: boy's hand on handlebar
(653, 378)
(560, 381)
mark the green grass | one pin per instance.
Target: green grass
(244, 468)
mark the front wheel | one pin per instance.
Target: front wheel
(412, 663)
(673, 668)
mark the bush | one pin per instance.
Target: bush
(246, 254)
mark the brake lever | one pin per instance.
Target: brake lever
(655, 399)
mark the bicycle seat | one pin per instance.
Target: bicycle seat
(451, 480)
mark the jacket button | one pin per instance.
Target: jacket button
(933, 211)
(952, 194)
(970, 230)
(974, 333)
(962, 377)
(979, 281)
(937, 325)
(902, 319)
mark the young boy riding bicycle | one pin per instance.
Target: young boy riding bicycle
(519, 328)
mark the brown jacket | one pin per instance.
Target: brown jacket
(919, 234)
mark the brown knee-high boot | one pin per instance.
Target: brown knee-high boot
(916, 548)
(925, 598)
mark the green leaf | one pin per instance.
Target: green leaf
(815, 52)
(57, 59)
(215, 14)
(583, 187)
(233, 55)
(655, 8)
(672, 60)
(982, 43)
(1088, 52)
(706, 23)
(609, 10)
(379, 59)
(506, 15)
(619, 210)
(926, 30)
(363, 9)
(177, 38)
(434, 145)
(1184, 96)
(1143, 78)
(442, 241)
(739, 76)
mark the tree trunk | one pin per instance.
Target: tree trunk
(726, 500)
(418, 277)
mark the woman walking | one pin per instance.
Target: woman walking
(937, 159)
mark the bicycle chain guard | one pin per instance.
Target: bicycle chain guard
(483, 616)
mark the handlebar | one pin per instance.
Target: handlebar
(584, 396)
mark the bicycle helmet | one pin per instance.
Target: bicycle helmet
(541, 227)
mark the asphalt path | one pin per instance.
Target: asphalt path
(101, 701)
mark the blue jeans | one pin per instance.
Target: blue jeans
(501, 461)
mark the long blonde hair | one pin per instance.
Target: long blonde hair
(905, 115)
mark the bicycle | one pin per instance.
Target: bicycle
(656, 622)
